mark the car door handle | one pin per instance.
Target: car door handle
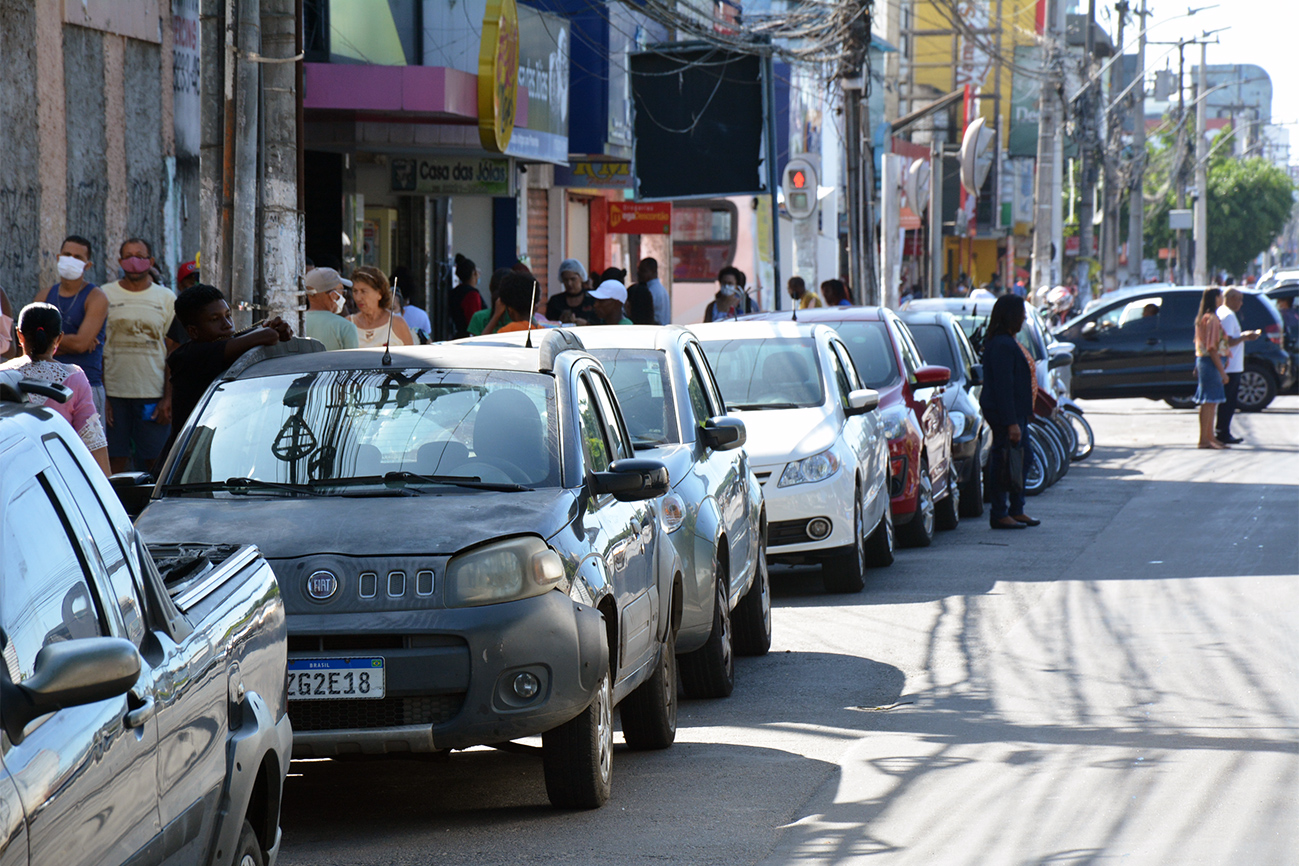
(137, 717)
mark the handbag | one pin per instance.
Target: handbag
(1012, 468)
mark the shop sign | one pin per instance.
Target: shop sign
(451, 175)
(640, 217)
(541, 132)
(498, 75)
(594, 174)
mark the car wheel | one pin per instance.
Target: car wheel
(947, 513)
(709, 672)
(753, 613)
(972, 494)
(649, 714)
(846, 572)
(919, 532)
(578, 755)
(1257, 389)
(879, 547)
(249, 852)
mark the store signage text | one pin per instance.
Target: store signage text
(451, 175)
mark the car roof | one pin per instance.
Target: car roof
(926, 317)
(753, 329)
(972, 307)
(820, 314)
(622, 336)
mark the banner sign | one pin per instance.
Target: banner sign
(640, 217)
(452, 175)
(594, 174)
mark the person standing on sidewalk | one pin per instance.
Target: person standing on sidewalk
(140, 312)
(1007, 403)
(324, 319)
(83, 308)
(1232, 300)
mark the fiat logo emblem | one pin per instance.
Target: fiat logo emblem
(321, 585)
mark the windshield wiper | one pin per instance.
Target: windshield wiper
(751, 406)
(471, 481)
(245, 484)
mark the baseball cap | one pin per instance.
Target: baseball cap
(611, 290)
(185, 270)
(324, 280)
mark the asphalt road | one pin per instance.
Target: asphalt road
(1119, 684)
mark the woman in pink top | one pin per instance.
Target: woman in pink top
(40, 327)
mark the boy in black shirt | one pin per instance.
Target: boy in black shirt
(213, 346)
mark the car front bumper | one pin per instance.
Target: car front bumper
(449, 675)
(789, 509)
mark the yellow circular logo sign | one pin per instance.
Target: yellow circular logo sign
(498, 75)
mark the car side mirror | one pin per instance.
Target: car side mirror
(1060, 359)
(932, 375)
(134, 490)
(69, 674)
(1089, 331)
(862, 401)
(723, 433)
(632, 479)
(976, 375)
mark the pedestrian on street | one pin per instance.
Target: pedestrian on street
(326, 300)
(187, 275)
(835, 293)
(40, 329)
(797, 288)
(213, 345)
(376, 324)
(1007, 402)
(609, 298)
(647, 272)
(517, 297)
(1211, 375)
(573, 305)
(465, 299)
(491, 320)
(1232, 301)
(83, 308)
(140, 313)
(1289, 321)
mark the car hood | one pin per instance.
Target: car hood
(426, 525)
(782, 435)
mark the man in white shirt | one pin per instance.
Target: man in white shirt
(1232, 300)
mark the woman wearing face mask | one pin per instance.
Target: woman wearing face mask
(324, 320)
(40, 328)
(374, 319)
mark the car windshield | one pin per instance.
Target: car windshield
(640, 379)
(872, 352)
(767, 373)
(934, 346)
(343, 431)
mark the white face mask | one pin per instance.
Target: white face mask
(71, 268)
(340, 302)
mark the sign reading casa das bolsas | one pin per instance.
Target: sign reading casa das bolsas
(498, 75)
(640, 217)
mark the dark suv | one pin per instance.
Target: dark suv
(1143, 345)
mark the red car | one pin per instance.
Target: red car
(924, 484)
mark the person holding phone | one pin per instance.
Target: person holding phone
(1235, 362)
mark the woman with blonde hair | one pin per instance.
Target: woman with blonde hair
(1211, 376)
(374, 318)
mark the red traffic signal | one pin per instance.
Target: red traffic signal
(798, 179)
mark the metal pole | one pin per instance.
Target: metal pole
(852, 128)
(1109, 163)
(1045, 193)
(773, 176)
(1181, 157)
(936, 218)
(1087, 151)
(1201, 177)
(1136, 194)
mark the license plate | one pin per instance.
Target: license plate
(335, 679)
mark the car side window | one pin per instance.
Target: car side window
(45, 596)
(854, 380)
(840, 378)
(910, 354)
(619, 441)
(111, 555)
(594, 446)
(716, 404)
(967, 351)
(695, 387)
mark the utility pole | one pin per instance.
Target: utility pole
(1087, 152)
(1136, 190)
(1046, 190)
(861, 234)
(1109, 164)
(1201, 176)
(281, 225)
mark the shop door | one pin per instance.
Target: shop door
(579, 230)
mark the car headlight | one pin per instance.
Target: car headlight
(673, 513)
(893, 422)
(504, 571)
(818, 467)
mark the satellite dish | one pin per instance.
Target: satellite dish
(917, 186)
(976, 156)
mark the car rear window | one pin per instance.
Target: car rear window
(640, 379)
(1258, 311)
(872, 352)
(934, 345)
(774, 373)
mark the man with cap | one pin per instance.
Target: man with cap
(324, 319)
(186, 275)
(609, 298)
(573, 305)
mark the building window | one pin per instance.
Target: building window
(703, 239)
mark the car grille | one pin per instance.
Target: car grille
(787, 532)
(383, 713)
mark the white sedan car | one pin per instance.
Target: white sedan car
(814, 443)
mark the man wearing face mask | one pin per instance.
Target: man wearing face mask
(140, 312)
(323, 319)
(84, 308)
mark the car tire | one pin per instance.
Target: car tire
(649, 714)
(1257, 389)
(249, 852)
(972, 495)
(709, 672)
(752, 617)
(947, 512)
(846, 571)
(919, 531)
(577, 757)
(880, 546)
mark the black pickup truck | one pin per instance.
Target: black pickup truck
(142, 687)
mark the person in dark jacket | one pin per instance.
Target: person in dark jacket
(1007, 402)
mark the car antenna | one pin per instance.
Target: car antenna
(527, 343)
(793, 309)
(386, 360)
